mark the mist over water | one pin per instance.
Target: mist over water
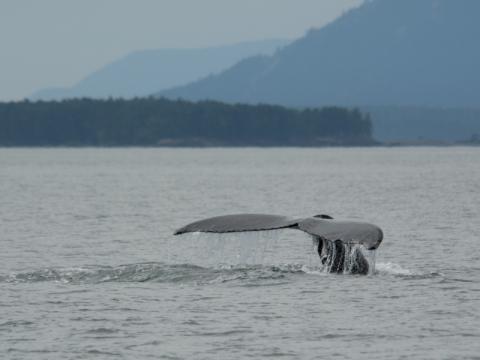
(89, 267)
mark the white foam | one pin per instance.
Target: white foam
(392, 269)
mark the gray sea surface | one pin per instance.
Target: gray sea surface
(89, 268)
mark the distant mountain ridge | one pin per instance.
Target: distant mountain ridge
(142, 73)
(386, 52)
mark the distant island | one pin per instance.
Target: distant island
(410, 64)
(162, 122)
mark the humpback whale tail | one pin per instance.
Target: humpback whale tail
(340, 244)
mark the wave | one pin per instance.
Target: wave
(392, 269)
(153, 272)
(185, 273)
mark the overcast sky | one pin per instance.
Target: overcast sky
(47, 43)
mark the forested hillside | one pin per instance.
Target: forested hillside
(162, 122)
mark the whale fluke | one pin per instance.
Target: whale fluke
(338, 243)
(321, 226)
(349, 232)
(239, 223)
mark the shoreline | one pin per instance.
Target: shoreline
(245, 146)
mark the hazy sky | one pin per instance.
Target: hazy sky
(57, 42)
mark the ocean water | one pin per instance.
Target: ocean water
(89, 268)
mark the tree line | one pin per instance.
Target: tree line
(161, 122)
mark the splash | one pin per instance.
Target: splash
(396, 270)
(393, 269)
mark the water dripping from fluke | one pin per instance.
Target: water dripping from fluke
(345, 258)
(273, 248)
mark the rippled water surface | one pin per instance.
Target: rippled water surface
(89, 268)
